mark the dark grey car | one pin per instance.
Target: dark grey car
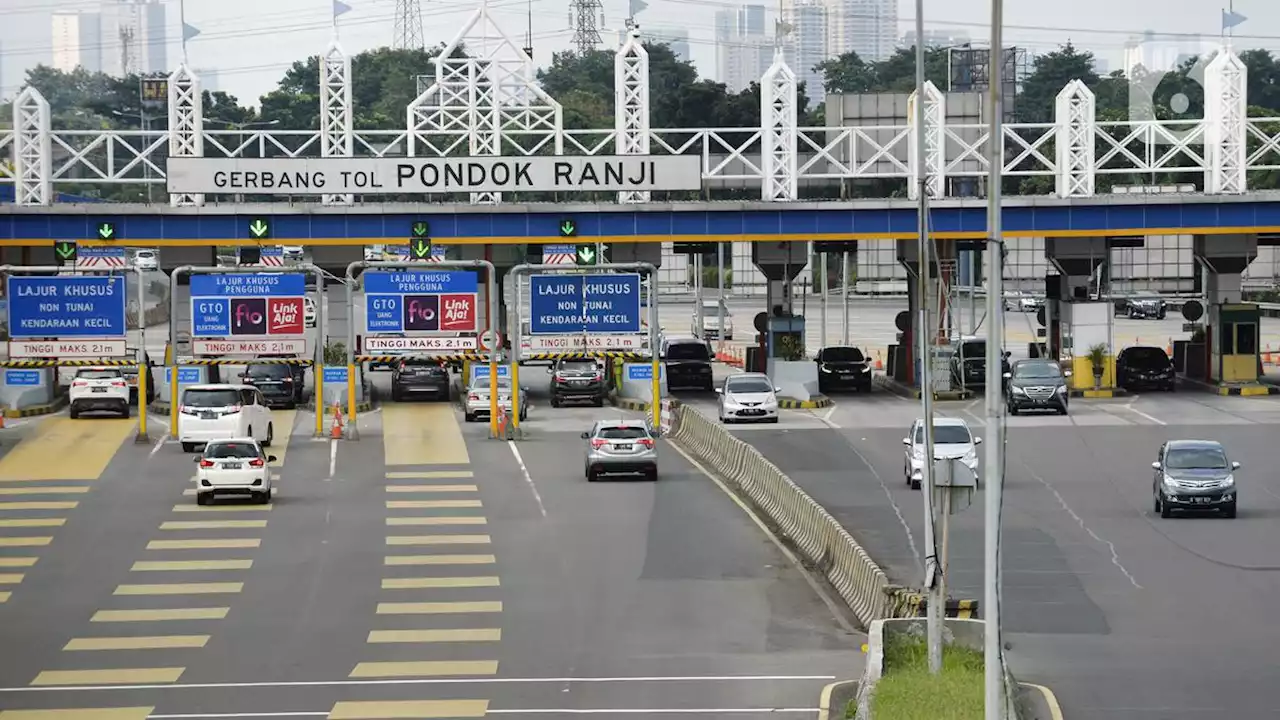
(1036, 385)
(1194, 475)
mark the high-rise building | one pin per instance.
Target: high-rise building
(866, 27)
(806, 44)
(77, 41)
(743, 51)
(134, 37)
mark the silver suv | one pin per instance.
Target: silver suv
(620, 447)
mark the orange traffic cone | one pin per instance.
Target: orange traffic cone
(336, 431)
(1266, 360)
(879, 365)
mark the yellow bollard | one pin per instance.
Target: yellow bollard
(142, 399)
(173, 400)
(656, 397)
(351, 394)
(515, 393)
(318, 372)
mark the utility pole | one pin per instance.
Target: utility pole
(583, 15)
(408, 27)
(994, 481)
(933, 583)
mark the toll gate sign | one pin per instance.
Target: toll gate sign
(421, 301)
(66, 317)
(248, 314)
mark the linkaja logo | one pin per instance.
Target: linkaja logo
(284, 316)
(422, 312)
(249, 316)
(458, 313)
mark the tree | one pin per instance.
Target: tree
(895, 74)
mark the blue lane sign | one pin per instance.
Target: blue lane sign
(600, 303)
(21, 377)
(644, 371)
(247, 304)
(335, 374)
(66, 307)
(229, 285)
(95, 253)
(481, 370)
(420, 300)
(186, 375)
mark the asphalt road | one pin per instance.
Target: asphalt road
(1123, 614)
(424, 565)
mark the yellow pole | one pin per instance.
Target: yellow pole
(142, 399)
(515, 394)
(656, 404)
(318, 372)
(173, 400)
(351, 395)
(493, 394)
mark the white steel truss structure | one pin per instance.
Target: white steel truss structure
(490, 105)
(489, 98)
(1076, 119)
(336, 113)
(186, 124)
(631, 105)
(935, 143)
(32, 155)
(1226, 113)
(778, 131)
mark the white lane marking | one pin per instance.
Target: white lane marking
(424, 681)
(1115, 556)
(333, 459)
(826, 417)
(527, 477)
(160, 441)
(322, 713)
(1139, 413)
(526, 711)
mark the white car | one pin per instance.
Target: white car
(372, 253)
(309, 311)
(711, 323)
(748, 396)
(477, 407)
(292, 252)
(223, 412)
(951, 439)
(99, 389)
(233, 467)
(146, 260)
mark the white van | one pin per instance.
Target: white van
(223, 412)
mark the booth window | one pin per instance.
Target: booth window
(1246, 339)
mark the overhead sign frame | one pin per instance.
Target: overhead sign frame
(394, 176)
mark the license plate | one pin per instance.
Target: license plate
(622, 447)
(99, 390)
(232, 466)
(207, 416)
(1202, 500)
(579, 382)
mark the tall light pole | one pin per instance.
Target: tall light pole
(994, 481)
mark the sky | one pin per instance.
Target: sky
(252, 42)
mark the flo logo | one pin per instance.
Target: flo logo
(249, 316)
(422, 312)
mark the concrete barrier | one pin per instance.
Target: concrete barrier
(824, 544)
(29, 391)
(964, 633)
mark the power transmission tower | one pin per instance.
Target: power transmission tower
(586, 33)
(408, 26)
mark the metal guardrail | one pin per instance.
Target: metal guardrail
(826, 545)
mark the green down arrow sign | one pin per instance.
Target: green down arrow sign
(421, 249)
(586, 255)
(259, 229)
(66, 251)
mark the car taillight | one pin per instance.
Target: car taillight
(597, 443)
(206, 463)
(187, 411)
(646, 442)
(117, 383)
(256, 462)
(231, 410)
(473, 396)
(598, 376)
(79, 383)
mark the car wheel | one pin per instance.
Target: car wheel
(74, 412)
(262, 498)
(599, 402)
(772, 420)
(469, 417)
(1155, 503)
(555, 401)
(524, 414)
(1063, 411)
(124, 411)
(188, 447)
(203, 498)
(1165, 510)
(915, 484)
(271, 435)
(651, 475)
(396, 396)
(1013, 411)
(592, 476)
(1229, 511)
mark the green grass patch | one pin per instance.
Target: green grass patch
(908, 691)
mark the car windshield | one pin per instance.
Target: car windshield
(577, 366)
(146, 254)
(622, 433)
(841, 354)
(210, 398)
(232, 450)
(1148, 357)
(945, 434)
(973, 350)
(1037, 370)
(98, 374)
(418, 363)
(482, 383)
(750, 385)
(269, 371)
(1200, 458)
(687, 351)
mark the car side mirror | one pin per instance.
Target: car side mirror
(1155, 465)
(271, 458)
(977, 441)
(906, 441)
(196, 459)
(1066, 373)
(586, 436)
(551, 371)
(719, 391)
(1235, 466)
(1008, 375)
(777, 389)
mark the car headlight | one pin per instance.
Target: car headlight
(1171, 482)
(1017, 390)
(970, 458)
(824, 368)
(1062, 389)
(1229, 481)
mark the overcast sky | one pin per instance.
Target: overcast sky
(251, 42)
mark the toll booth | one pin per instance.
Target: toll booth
(1234, 352)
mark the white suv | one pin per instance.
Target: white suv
(223, 412)
(99, 389)
(951, 439)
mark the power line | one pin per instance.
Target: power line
(586, 33)
(408, 30)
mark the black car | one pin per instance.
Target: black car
(280, 385)
(842, 367)
(577, 380)
(1194, 475)
(1142, 367)
(420, 376)
(688, 363)
(969, 364)
(1036, 385)
(1141, 308)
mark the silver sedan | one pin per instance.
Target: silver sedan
(620, 447)
(477, 404)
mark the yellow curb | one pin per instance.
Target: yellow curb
(824, 700)
(1055, 710)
